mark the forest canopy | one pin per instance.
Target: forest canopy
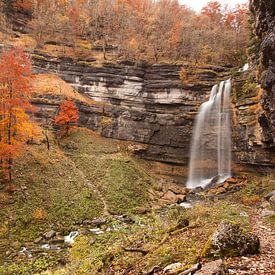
(140, 30)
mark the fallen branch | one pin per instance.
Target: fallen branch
(191, 270)
(142, 251)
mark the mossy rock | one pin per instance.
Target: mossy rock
(230, 240)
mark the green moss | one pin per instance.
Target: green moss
(162, 247)
(31, 267)
(246, 89)
(121, 181)
(271, 220)
(125, 186)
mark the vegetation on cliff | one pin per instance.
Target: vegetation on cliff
(142, 30)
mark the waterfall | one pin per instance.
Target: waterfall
(210, 159)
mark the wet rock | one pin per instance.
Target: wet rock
(181, 198)
(170, 196)
(213, 268)
(213, 182)
(230, 240)
(196, 190)
(173, 268)
(49, 234)
(26, 252)
(71, 237)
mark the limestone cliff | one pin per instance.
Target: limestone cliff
(145, 104)
(254, 132)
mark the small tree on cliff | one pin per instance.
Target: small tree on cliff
(15, 91)
(67, 117)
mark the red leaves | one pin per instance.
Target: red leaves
(15, 87)
(212, 10)
(67, 117)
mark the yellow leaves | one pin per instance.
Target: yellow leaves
(183, 75)
(39, 214)
(133, 43)
(15, 124)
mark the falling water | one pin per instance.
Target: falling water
(210, 159)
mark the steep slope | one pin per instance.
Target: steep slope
(82, 178)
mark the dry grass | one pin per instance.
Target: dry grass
(24, 41)
(56, 50)
(52, 84)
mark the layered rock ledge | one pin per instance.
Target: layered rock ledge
(146, 104)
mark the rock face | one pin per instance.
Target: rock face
(145, 104)
(149, 107)
(255, 99)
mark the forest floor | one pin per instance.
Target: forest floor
(95, 186)
(263, 263)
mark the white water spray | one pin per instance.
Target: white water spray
(210, 159)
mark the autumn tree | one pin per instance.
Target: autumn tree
(148, 30)
(15, 125)
(102, 23)
(43, 21)
(67, 117)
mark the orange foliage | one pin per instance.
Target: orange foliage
(39, 214)
(183, 75)
(25, 5)
(251, 200)
(147, 30)
(213, 10)
(67, 117)
(15, 90)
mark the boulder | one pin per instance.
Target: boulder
(173, 268)
(170, 196)
(38, 240)
(49, 234)
(230, 240)
(232, 180)
(213, 268)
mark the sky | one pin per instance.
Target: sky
(198, 4)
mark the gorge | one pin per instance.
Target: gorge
(168, 155)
